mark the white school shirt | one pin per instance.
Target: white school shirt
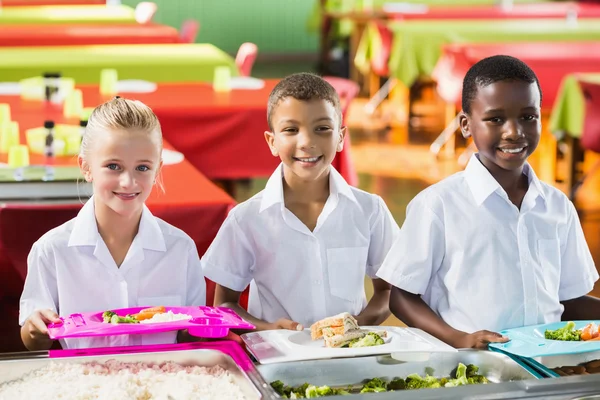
(480, 263)
(295, 273)
(70, 270)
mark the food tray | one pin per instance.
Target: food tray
(210, 322)
(529, 341)
(284, 345)
(348, 372)
(226, 354)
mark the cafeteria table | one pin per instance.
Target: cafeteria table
(86, 34)
(68, 14)
(152, 62)
(10, 3)
(495, 11)
(551, 61)
(417, 45)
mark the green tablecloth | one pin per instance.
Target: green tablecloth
(82, 14)
(568, 111)
(417, 45)
(156, 63)
(345, 27)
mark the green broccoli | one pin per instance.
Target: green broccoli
(128, 319)
(472, 370)
(375, 383)
(396, 384)
(477, 380)
(461, 377)
(107, 315)
(566, 333)
(278, 387)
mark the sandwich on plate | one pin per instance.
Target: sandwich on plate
(342, 330)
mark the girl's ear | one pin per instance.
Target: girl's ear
(84, 167)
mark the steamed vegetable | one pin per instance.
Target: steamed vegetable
(465, 375)
(566, 333)
(370, 339)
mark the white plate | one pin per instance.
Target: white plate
(247, 83)
(10, 88)
(275, 346)
(135, 86)
(171, 157)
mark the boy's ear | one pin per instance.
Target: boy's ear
(343, 133)
(270, 138)
(463, 122)
(84, 167)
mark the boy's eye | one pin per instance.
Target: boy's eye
(495, 120)
(112, 167)
(290, 130)
(323, 128)
(530, 117)
(143, 168)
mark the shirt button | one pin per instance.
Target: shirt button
(317, 282)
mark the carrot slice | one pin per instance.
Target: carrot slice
(155, 310)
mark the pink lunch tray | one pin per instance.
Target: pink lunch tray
(208, 322)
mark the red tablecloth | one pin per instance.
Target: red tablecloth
(190, 202)
(220, 134)
(550, 61)
(50, 2)
(518, 11)
(64, 35)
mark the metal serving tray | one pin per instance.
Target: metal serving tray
(352, 371)
(250, 382)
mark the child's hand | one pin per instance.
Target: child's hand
(36, 325)
(478, 340)
(286, 324)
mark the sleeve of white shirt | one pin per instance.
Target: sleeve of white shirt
(578, 272)
(196, 285)
(384, 231)
(41, 290)
(229, 261)
(418, 251)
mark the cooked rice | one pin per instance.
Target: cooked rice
(119, 380)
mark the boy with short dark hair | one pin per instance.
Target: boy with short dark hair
(492, 247)
(306, 242)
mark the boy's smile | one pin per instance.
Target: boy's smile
(505, 123)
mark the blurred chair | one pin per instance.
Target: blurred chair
(144, 12)
(189, 31)
(590, 137)
(245, 58)
(347, 90)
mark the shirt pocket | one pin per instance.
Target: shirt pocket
(346, 270)
(549, 257)
(161, 337)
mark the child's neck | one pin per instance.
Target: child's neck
(514, 182)
(117, 231)
(301, 191)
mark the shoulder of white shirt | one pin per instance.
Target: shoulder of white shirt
(59, 236)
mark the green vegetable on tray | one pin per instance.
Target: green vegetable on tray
(465, 375)
(567, 333)
(113, 318)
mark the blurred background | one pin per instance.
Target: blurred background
(206, 68)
